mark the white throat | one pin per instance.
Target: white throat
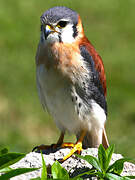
(67, 34)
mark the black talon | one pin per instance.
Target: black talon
(60, 160)
(35, 148)
(51, 146)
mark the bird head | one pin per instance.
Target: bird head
(60, 24)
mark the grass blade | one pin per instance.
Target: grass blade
(9, 159)
(16, 172)
(44, 170)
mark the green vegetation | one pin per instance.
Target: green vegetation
(7, 159)
(101, 167)
(110, 27)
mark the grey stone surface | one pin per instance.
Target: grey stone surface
(73, 164)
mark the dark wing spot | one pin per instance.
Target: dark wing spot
(80, 105)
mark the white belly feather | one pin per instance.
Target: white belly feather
(55, 94)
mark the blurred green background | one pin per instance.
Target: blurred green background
(109, 25)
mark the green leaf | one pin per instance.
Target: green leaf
(58, 171)
(111, 176)
(116, 177)
(44, 170)
(9, 159)
(91, 160)
(102, 158)
(6, 169)
(16, 172)
(3, 151)
(78, 178)
(125, 178)
(109, 152)
(129, 177)
(90, 172)
(100, 175)
(117, 166)
(37, 178)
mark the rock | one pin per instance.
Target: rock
(73, 164)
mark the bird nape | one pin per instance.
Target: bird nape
(71, 80)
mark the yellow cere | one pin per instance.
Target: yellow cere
(58, 26)
(49, 27)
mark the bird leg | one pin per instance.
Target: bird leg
(60, 140)
(52, 146)
(75, 147)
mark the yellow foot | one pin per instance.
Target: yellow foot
(75, 148)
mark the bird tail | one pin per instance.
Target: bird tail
(92, 141)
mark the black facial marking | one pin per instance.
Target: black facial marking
(75, 32)
(60, 40)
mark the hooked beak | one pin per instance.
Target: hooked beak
(48, 30)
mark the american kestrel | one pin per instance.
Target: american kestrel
(71, 79)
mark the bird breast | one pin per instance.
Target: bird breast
(56, 95)
(61, 73)
(59, 68)
(64, 58)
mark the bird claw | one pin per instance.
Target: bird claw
(44, 148)
(76, 148)
(35, 148)
(60, 160)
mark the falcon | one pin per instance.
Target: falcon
(71, 80)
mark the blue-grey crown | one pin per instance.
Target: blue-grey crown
(53, 15)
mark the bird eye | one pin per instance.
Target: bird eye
(62, 24)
